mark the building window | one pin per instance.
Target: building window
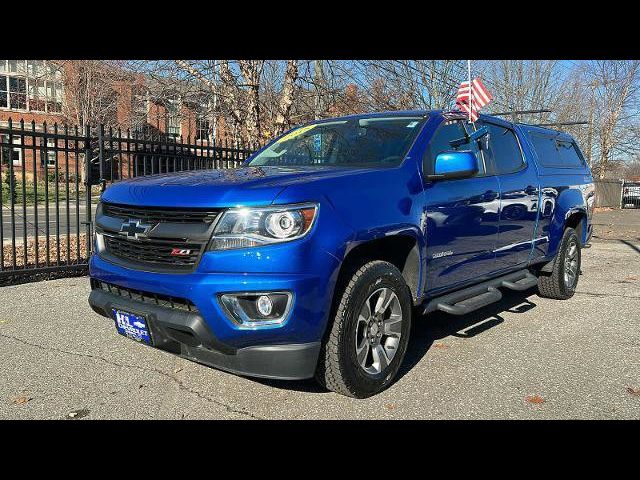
(4, 95)
(173, 118)
(37, 95)
(33, 85)
(11, 154)
(50, 154)
(203, 129)
(139, 112)
(17, 93)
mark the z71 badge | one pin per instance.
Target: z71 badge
(180, 252)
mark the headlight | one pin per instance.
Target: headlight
(252, 227)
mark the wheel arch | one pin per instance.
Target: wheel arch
(570, 211)
(401, 250)
(576, 218)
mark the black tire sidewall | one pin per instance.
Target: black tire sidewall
(361, 383)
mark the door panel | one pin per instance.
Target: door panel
(462, 217)
(462, 226)
(518, 214)
(519, 197)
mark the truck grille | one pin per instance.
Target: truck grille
(156, 215)
(179, 254)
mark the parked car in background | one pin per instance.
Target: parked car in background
(311, 259)
(631, 195)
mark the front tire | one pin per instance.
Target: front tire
(367, 339)
(562, 282)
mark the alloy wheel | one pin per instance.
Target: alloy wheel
(378, 331)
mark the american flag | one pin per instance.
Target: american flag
(471, 100)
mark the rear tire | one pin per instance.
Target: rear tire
(562, 282)
(368, 336)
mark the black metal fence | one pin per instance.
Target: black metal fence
(51, 177)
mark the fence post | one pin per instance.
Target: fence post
(88, 215)
(622, 194)
(101, 151)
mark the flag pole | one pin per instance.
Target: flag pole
(470, 91)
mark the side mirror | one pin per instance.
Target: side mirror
(451, 165)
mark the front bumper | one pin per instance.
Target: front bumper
(186, 333)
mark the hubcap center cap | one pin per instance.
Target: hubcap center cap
(373, 329)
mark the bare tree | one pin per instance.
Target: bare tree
(286, 97)
(615, 87)
(92, 89)
(257, 99)
(522, 85)
(632, 170)
(240, 86)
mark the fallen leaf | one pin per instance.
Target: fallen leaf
(629, 277)
(390, 406)
(22, 400)
(634, 391)
(535, 399)
(440, 345)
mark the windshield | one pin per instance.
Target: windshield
(368, 142)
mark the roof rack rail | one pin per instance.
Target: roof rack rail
(559, 124)
(518, 112)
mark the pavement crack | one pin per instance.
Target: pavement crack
(180, 383)
(594, 294)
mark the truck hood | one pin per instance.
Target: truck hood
(244, 186)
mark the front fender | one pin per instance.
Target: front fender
(374, 205)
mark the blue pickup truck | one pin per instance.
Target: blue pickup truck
(313, 258)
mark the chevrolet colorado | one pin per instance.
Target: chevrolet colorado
(314, 257)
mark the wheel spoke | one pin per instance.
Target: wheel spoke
(391, 298)
(380, 358)
(382, 301)
(393, 325)
(365, 312)
(362, 352)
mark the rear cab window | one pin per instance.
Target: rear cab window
(554, 151)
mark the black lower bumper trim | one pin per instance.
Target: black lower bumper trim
(186, 334)
(283, 362)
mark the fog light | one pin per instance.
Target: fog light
(257, 309)
(265, 306)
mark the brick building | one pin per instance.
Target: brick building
(41, 91)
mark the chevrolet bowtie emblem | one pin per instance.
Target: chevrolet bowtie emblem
(135, 229)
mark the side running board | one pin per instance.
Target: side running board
(472, 298)
(525, 283)
(473, 303)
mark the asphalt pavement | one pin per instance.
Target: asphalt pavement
(523, 358)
